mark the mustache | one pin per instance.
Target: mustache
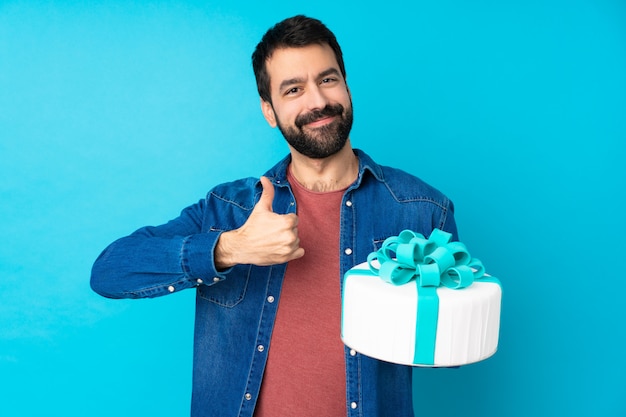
(329, 111)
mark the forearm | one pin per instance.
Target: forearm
(139, 265)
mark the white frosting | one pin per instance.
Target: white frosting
(378, 320)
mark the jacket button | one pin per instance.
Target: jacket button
(260, 348)
(171, 288)
(248, 396)
(348, 251)
(199, 281)
(216, 279)
(349, 203)
(270, 299)
(353, 405)
(352, 352)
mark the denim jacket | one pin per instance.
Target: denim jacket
(236, 308)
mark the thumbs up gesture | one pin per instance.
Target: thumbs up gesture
(266, 238)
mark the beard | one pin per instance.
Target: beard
(323, 141)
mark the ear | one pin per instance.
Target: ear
(268, 113)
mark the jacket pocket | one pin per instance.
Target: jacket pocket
(230, 291)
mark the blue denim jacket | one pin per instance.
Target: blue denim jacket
(236, 308)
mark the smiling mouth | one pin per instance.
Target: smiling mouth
(320, 118)
(321, 122)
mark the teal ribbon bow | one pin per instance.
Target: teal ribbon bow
(432, 262)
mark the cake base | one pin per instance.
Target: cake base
(379, 320)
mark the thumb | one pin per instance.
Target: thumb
(267, 196)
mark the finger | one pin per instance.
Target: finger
(298, 253)
(291, 220)
(267, 196)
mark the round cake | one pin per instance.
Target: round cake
(399, 313)
(379, 320)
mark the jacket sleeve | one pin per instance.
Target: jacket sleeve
(156, 261)
(447, 222)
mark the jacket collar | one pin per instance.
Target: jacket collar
(278, 173)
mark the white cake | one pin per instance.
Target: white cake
(379, 320)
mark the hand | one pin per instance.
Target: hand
(266, 238)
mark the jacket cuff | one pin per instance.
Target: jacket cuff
(197, 257)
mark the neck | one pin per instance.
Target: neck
(335, 172)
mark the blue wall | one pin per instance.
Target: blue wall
(114, 115)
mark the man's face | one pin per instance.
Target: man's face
(311, 104)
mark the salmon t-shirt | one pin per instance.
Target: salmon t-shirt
(305, 371)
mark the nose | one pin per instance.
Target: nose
(316, 98)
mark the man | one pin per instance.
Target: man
(267, 256)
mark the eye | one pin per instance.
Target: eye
(328, 80)
(292, 91)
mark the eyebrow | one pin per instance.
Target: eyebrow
(291, 81)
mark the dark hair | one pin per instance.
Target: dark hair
(294, 32)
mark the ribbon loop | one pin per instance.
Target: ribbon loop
(458, 277)
(429, 274)
(442, 257)
(407, 253)
(460, 253)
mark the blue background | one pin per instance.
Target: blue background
(114, 115)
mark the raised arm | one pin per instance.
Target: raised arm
(185, 253)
